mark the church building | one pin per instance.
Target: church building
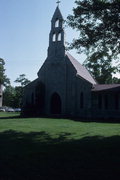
(65, 88)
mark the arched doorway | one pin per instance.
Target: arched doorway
(55, 104)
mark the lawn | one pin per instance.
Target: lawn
(41, 148)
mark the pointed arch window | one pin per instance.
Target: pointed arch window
(100, 101)
(32, 99)
(106, 101)
(116, 101)
(54, 37)
(81, 100)
(57, 23)
(40, 96)
(59, 37)
(55, 104)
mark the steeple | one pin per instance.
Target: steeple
(56, 36)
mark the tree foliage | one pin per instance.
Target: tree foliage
(3, 78)
(18, 96)
(19, 90)
(9, 96)
(98, 23)
(22, 80)
(12, 96)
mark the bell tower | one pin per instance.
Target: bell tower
(56, 37)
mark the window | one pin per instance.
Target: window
(106, 101)
(54, 37)
(116, 101)
(100, 101)
(55, 104)
(40, 96)
(59, 37)
(57, 23)
(32, 98)
(81, 100)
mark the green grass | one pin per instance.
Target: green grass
(56, 127)
(43, 148)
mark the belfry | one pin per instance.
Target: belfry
(56, 37)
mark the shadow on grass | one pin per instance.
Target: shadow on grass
(36, 155)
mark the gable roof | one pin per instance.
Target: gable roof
(81, 70)
(103, 87)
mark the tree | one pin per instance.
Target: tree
(19, 90)
(18, 96)
(98, 23)
(12, 96)
(4, 81)
(9, 96)
(3, 78)
(22, 80)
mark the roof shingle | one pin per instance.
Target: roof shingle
(103, 87)
(81, 70)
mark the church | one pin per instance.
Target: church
(65, 88)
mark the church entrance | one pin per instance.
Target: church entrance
(55, 104)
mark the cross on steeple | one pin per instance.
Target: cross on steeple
(58, 2)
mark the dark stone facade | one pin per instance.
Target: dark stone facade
(64, 88)
(106, 101)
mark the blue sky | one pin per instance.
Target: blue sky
(24, 34)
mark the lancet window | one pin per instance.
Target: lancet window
(81, 100)
(54, 37)
(57, 23)
(59, 37)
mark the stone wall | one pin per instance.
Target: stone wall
(106, 104)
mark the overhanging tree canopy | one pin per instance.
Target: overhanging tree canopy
(98, 22)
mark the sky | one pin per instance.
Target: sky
(24, 34)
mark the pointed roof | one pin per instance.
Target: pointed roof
(81, 70)
(57, 14)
